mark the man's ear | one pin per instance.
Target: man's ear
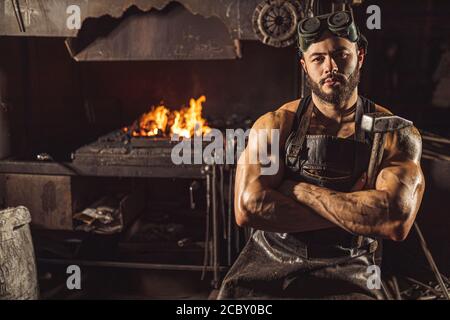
(361, 56)
(303, 63)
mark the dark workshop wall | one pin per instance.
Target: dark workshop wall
(415, 30)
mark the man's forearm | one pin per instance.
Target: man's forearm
(270, 210)
(361, 212)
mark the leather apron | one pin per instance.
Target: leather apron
(323, 264)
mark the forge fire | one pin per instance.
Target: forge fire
(161, 121)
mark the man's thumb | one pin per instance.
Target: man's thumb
(360, 183)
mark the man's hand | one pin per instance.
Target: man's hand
(360, 184)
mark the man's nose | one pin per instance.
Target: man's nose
(330, 65)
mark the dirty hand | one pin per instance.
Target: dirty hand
(360, 184)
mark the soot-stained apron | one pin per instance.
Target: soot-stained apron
(323, 264)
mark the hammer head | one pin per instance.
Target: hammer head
(380, 122)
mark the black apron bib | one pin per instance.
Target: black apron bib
(322, 264)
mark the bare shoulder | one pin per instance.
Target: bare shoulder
(281, 119)
(405, 143)
(290, 106)
(379, 108)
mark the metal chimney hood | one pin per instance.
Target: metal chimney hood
(115, 30)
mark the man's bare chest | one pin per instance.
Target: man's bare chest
(343, 128)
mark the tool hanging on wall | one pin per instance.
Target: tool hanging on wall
(18, 14)
(275, 21)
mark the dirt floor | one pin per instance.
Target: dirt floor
(116, 283)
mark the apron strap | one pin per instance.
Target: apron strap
(359, 134)
(303, 118)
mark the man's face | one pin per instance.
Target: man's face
(332, 68)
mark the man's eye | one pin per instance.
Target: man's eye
(318, 59)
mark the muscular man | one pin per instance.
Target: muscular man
(317, 225)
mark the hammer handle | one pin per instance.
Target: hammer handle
(375, 158)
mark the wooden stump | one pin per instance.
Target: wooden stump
(18, 275)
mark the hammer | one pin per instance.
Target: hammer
(380, 123)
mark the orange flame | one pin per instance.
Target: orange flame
(186, 122)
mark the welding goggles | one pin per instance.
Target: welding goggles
(339, 23)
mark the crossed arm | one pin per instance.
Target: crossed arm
(388, 211)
